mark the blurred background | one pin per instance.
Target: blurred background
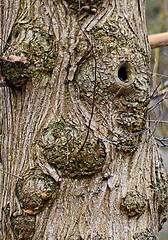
(157, 22)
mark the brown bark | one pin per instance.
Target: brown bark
(111, 187)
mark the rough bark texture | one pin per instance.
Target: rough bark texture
(111, 187)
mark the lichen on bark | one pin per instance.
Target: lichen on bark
(60, 143)
(34, 190)
(23, 226)
(46, 124)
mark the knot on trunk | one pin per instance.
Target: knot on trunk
(14, 70)
(145, 235)
(60, 143)
(133, 204)
(23, 226)
(85, 5)
(34, 190)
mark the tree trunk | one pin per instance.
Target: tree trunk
(78, 157)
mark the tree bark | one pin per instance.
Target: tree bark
(78, 157)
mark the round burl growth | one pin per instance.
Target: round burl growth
(85, 5)
(146, 235)
(161, 199)
(23, 226)
(60, 144)
(133, 204)
(34, 190)
(15, 73)
(33, 59)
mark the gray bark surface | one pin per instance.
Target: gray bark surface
(84, 68)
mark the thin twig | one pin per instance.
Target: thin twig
(155, 121)
(155, 90)
(10, 174)
(161, 140)
(95, 82)
(158, 103)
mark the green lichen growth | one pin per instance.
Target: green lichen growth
(60, 144)
(117, 35)
(146, 235)
(114, 44)
(15, 74)
(160, 194)
(34, 190)
(38, 46)
(133, 119)
(74, 5)
(23, 226)
(133, 204)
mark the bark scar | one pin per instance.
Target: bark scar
(45, 167)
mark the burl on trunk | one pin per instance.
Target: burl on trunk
(78, 157)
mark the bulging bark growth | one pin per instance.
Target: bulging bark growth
(74, 122)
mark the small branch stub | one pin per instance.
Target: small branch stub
(14, 59)
(13, 71)
(158, 40)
